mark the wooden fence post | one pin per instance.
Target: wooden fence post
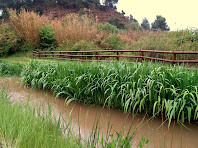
(117, 56)
(82, 56)
(53, 55)
(71, 56)
(174, 58)
(142, 55)
(96, 56)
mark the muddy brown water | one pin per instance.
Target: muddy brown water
(84, 116)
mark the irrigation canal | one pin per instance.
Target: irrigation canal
(84, 116)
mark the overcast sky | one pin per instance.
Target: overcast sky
(179, 14)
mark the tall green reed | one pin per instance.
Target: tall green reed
(29, 126)
(25, 126)
(145, 88)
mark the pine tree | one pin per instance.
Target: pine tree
(160, 23)
(145, 24)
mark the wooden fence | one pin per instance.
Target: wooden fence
(100, 55)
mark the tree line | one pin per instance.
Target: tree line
(159, 23)
(17, 4)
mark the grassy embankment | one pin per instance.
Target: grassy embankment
(145, 88)
(23, 126)
(19, 57)
(27, 126)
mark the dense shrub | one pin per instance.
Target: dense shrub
(9, 41)
(27, 46)
(67, 45)
(47, 39)
(117, 22)
(135, 26)
(109, 28)
(84, 45)
(113, 41)
(175, 40)
(10, 69)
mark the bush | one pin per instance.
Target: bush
(27, 46)
(175, 40)
(84, 45)
(9, 41)
(47, 39)
(108, 28)
(113, 42)
(10, 69)
(136, 27)
(117, 22)
(67, 45)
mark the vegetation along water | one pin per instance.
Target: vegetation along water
(145, 88)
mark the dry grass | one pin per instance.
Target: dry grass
(75, 28)
(72, 27)
(27, 24)
(131, 35)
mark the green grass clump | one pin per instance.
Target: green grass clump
(10, 69)
(27, 126)
(144, 88)
(23, 126)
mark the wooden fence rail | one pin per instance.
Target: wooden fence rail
(98, 55)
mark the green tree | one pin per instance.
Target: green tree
(145, 24)
(17, 4)
(160, 23)
(110, 3)
(135, 26)
(132, 19)
(117, 22)
(47, 39)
